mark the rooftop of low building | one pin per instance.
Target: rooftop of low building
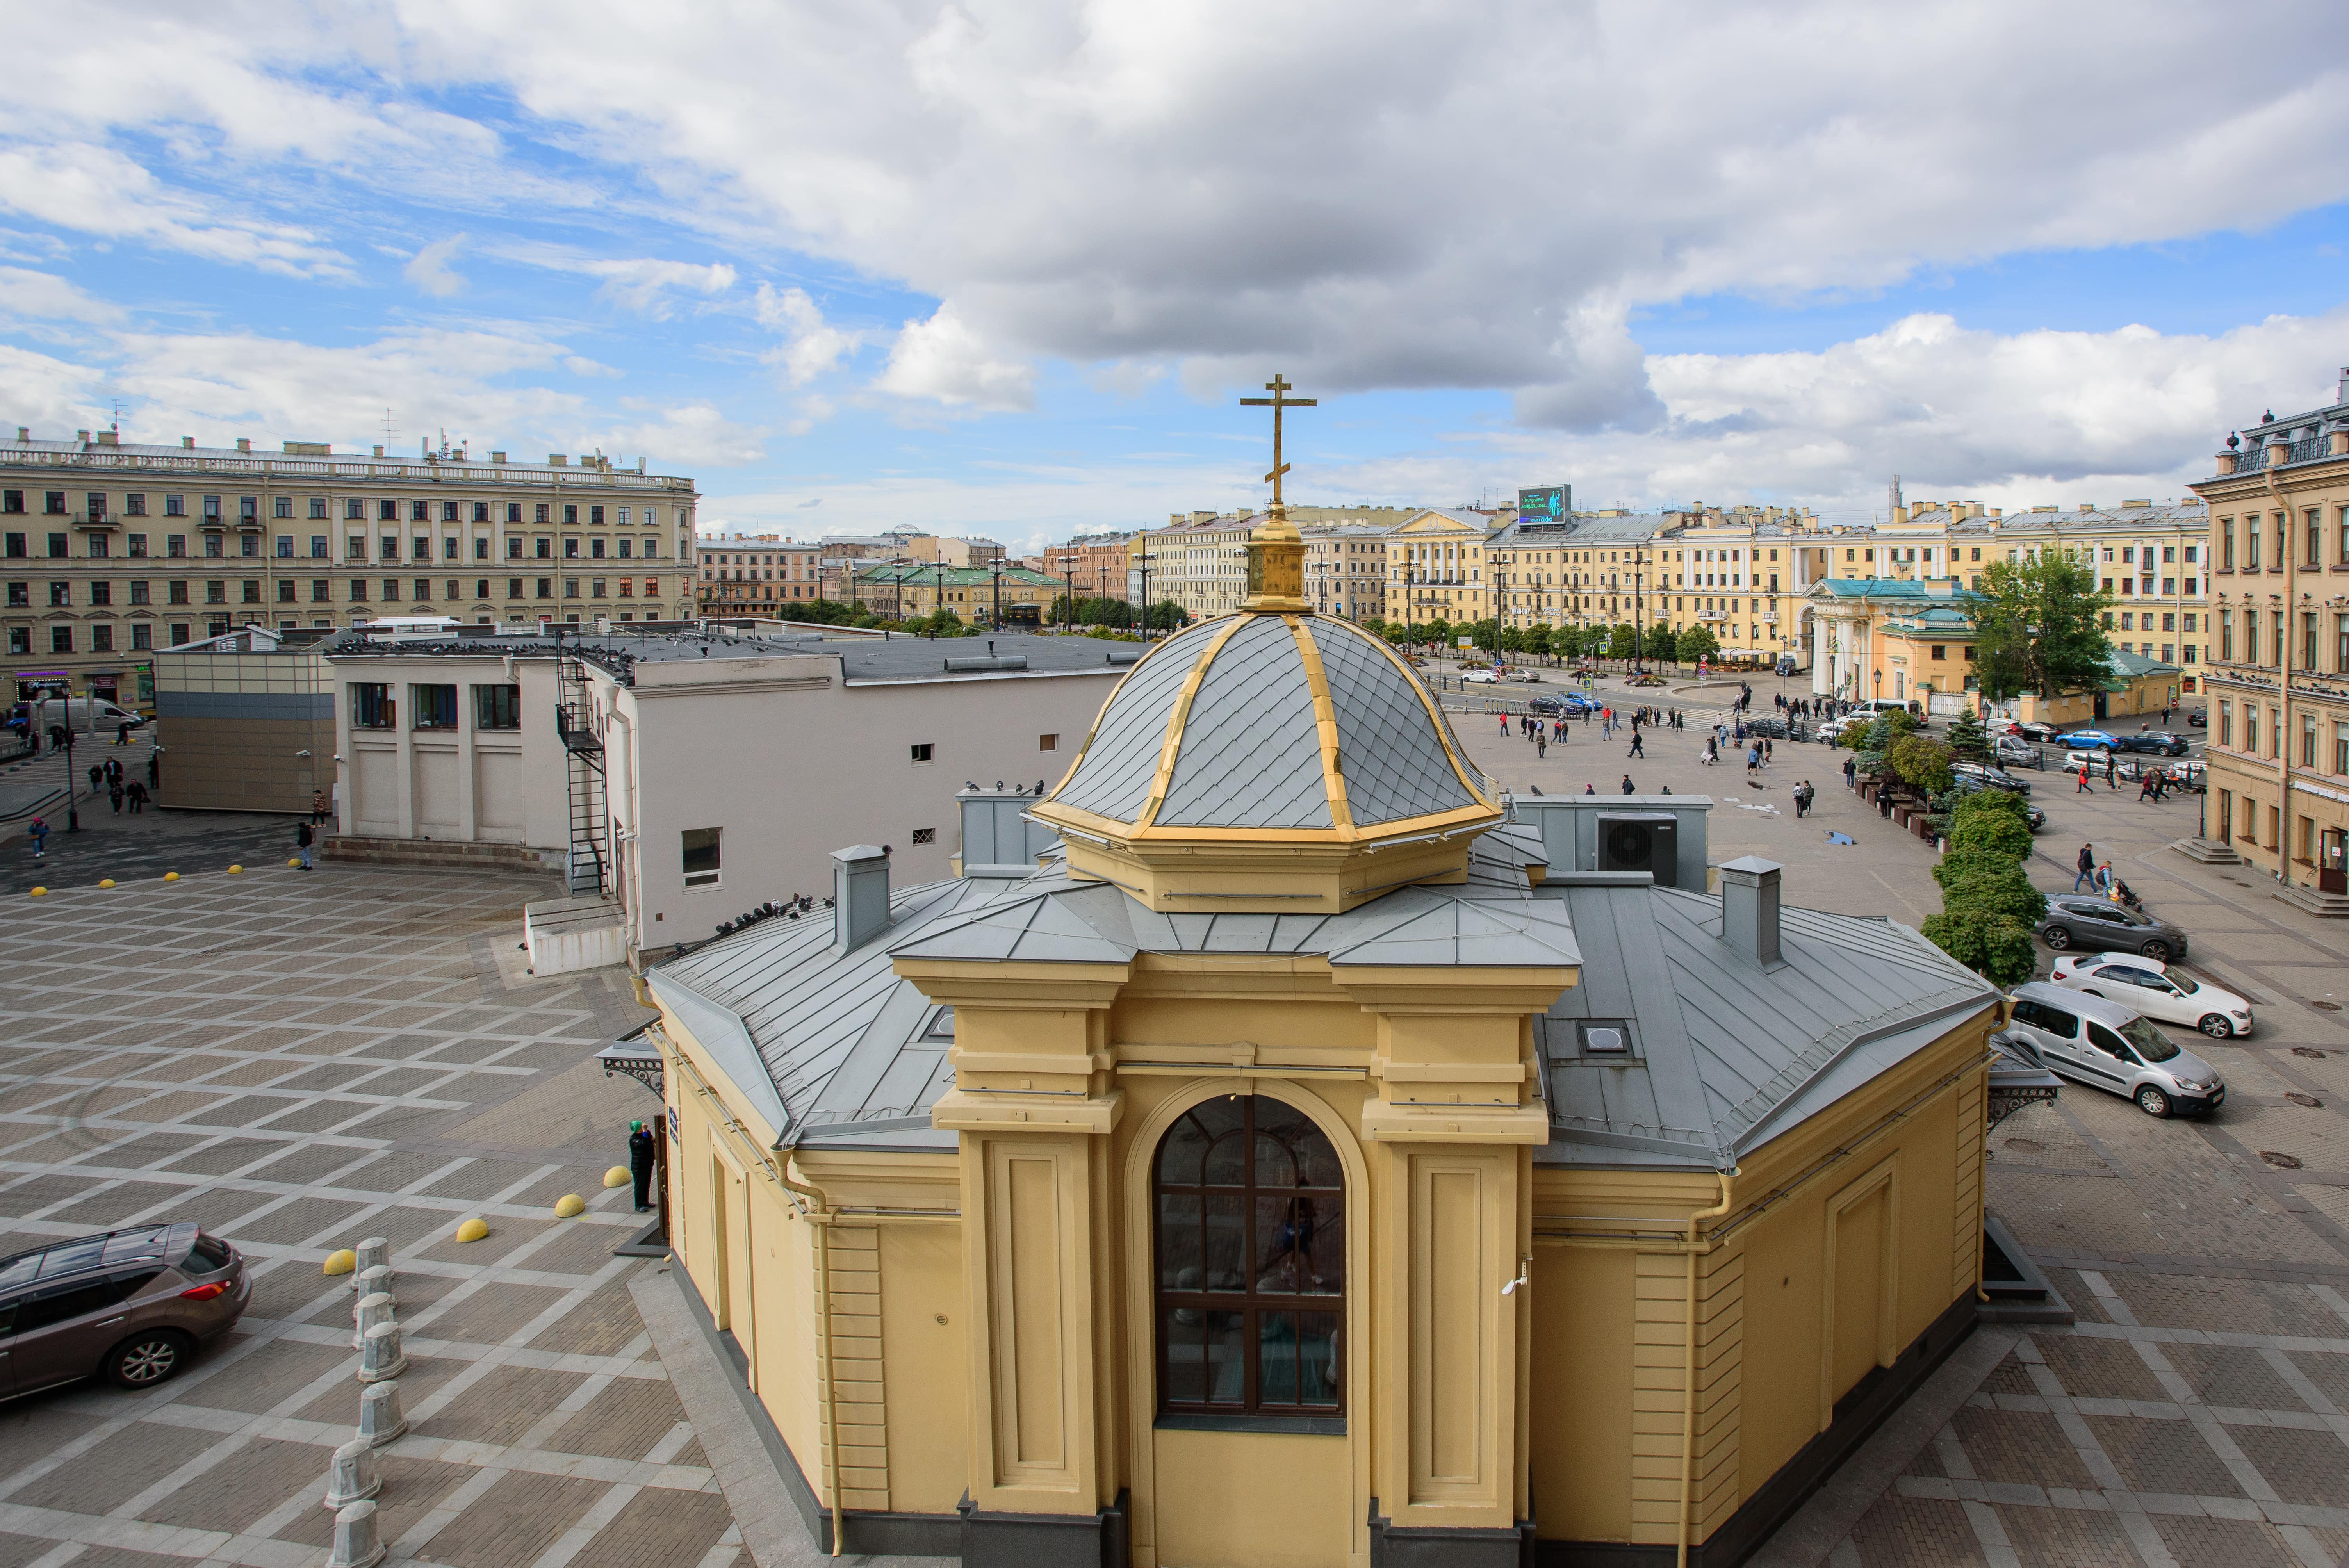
(95, 452)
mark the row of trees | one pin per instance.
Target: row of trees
(1117, 614)
(1988, 905)
(1659, 643)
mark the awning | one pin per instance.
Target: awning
(633, 1055)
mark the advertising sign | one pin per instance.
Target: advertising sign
(1549, 504)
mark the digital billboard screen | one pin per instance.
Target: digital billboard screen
(1551, 503)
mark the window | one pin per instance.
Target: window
(61, 639)
(513, 512)
(53, 503)
(419, 512)
(176, 591)
(925, 835)
(481, 588)
(1047, 743)
(481, 511)
(284, 547)
(546, 587)
(20, 596)
(419, 548)
(435, 706)
(178, 633)
(12, 502)
(514, 547)
(570, 550)
(497, 708)
(481, 548)
(700, 856)
(2226, 724)
(921, 753)
(20, 639)
(1250, 1241)
(285, 590)
(57, 547)
(2250, 544)
(624, 544)
(100, 593)
(215, 591)
(423, 589)
(142, 637)
(545, 551)
(283, 506)
(101, 639)
(449, 548)
(251, 586)
(513, 587)
(320, 589)
(595, 546)
(371, 705)
(14, 547)
(539, 513)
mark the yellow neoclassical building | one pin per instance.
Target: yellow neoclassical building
(1276, 1147)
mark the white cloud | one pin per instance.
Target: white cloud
(429, 269)
(810, 346)
(942, 360)
(42, 296)
(641, 283)
(98, 191)
(691, 435)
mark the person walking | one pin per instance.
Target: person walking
(155, 769)
(318, 806)
(2087, 864)
(1851, 772)
(303, 837)
(1541, 747)
(1627, 785)
(1766, 752)
(114, 793)
(642, 1148)
(2082, 789)
(2145, 787)
(2103, 880)
(122, 734)
(39, 833)
(2111, 768)
(137, 793)
(97, 777)
(1638, 748)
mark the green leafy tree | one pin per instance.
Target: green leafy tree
(1567, 642)
(1622, 640)
(1922, 761)
(1992, 832)
(2038, 627)
(1993, 889)
(1664, 647)
(1697, 642)
(1538, 640)
(1996, 947)
(1968, 742)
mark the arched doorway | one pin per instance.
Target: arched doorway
(1248, 1204)
(1248, 1386)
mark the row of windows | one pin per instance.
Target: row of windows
(2275, 629)
(140, 591)
(432, 705)
(100, 547)
(2262, 735)
(2280, 534)
(94, 505)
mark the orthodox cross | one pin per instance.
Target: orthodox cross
(1280, 400)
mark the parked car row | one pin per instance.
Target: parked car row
(2161, 742)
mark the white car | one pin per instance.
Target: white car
(2152, 988)
(1480, 677)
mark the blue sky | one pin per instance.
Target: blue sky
(1005, 268)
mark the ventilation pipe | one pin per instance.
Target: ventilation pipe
(860, 894)
(1749, 908)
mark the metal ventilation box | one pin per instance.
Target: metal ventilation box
(1641, 842)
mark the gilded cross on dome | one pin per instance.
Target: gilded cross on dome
(1276, 551)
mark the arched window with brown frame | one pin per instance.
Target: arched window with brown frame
(1248, 1204)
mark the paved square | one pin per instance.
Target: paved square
(299, 1060)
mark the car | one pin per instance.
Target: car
(1526, 677)
(2088, 740)
(2109, 1045)
(2198, 719)
(2009, 748)
(1479, 678)
(2161, 992)
(130, 1305)
(2033, 730)
(1996, 777)
(1768, 729)
(1556, 705)
(1831, 728)
(2091, 921)
(2160, 742)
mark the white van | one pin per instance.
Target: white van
(85, 715)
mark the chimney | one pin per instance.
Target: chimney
(1749, 908)
(860, 895)
(243, 444)
(2341, 392)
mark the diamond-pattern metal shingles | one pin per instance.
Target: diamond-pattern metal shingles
(1114, 779)
(1394, 765)
(1251, 749)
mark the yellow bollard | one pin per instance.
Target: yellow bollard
(106, 882)
(233, 869)
(473, 1230)
(294, 860)
(617, 1176)
(39, 892)
(569, 1204)
(170, 876)
(342, 1262)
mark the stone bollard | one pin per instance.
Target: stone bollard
(381, 1421)
(374, 1253)
(356, 1544)
(365, 1313)
(374, 1278)
(380, 1359)
(352, 1477)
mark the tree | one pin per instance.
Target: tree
(1968, 742)
(2038, 627)
(1697, 643)
(1997, 948)
(1567, 642)
(1979, 828)
(1622, 639)
(1922, 761)
(1168, 616)
(1663, 646)
(1537, 639)
(1990, 885)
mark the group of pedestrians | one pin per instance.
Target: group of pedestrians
(110, 780)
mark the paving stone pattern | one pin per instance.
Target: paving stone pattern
(299, 1061)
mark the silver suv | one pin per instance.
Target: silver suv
(2103, 1044)
(131, 1304)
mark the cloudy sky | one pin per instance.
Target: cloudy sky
(1005, 267)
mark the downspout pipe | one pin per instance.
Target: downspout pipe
(1687, 1367)
(821, 1218)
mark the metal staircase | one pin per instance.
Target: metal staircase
(589, 873)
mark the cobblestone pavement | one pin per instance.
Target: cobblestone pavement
(298, 1061)
(2198, 1414)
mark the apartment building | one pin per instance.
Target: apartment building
(1090, 565)
(1346, 570)
(1436, 567)
(1199, 562)
(109, 552)
(756, 573)
(902, 590)
(2278, 665)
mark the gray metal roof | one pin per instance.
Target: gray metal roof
(1727, 1052)
(1248, 754)
(1251, 748)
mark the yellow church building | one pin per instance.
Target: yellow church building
(1277, 1146)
